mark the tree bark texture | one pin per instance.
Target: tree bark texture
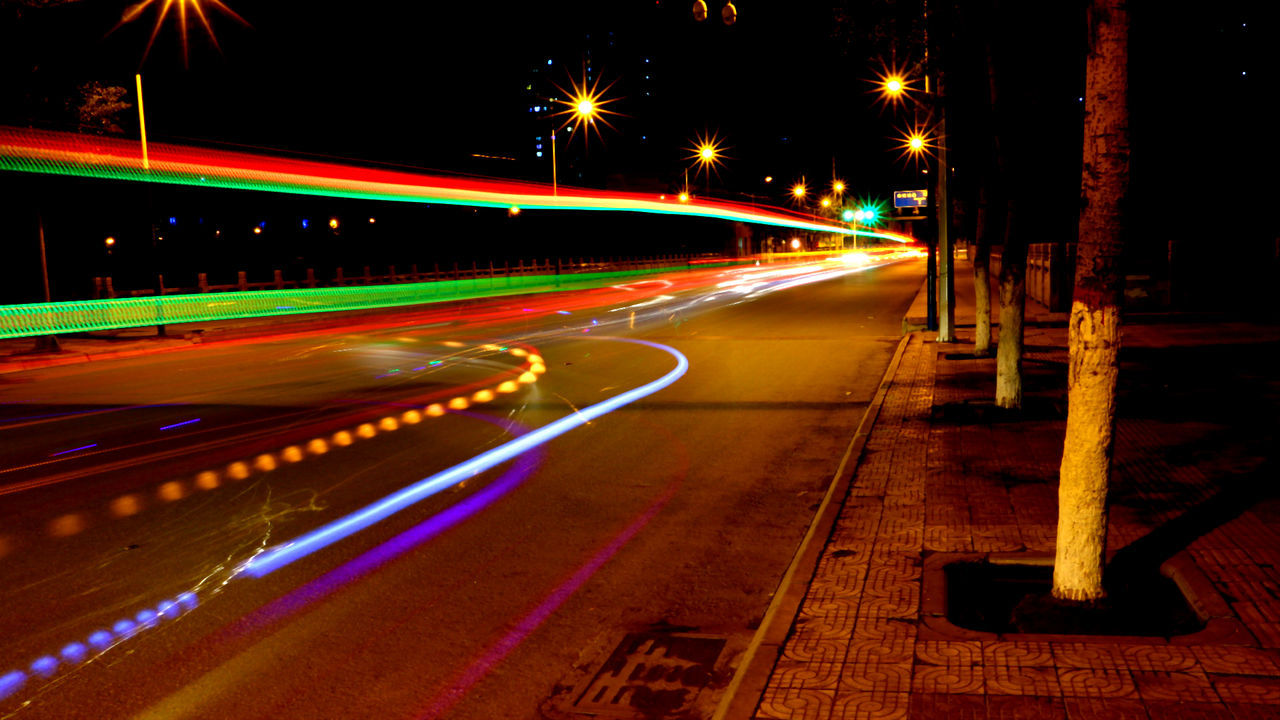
(1013, 306)
(1094, 331)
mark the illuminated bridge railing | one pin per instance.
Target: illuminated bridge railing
(88, 315)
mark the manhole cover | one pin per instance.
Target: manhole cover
(652, 675)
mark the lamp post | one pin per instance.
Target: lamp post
(894, 88)
(584, 107)
(799, 192)
(852, 217)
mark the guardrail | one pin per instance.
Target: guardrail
(112, 314)
(104, 287)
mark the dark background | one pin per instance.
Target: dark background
(788, 89)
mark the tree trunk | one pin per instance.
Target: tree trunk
(982, 274)
(1013, 305)
(991, 211)
(1094, 340)
(1009, 115)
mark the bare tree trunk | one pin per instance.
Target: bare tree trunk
(1013, 305)
(982, 274)
(1094, 341)
(991, 211)
(1008, 137)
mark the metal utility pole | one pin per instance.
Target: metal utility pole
(931, 276)
(946, 254)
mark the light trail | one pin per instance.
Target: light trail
(277, 557)
(72, 154)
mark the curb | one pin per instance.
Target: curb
(744, 691)
(75, 358)
(917, 317)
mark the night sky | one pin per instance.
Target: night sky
(431, 85)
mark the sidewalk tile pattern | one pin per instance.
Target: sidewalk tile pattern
(857, 648)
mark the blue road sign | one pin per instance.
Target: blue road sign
(910, 198)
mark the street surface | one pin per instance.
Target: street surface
(143, 501)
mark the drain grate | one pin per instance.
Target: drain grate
(652, 675)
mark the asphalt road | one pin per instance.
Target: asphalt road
(141, 498)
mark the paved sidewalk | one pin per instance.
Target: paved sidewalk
(941, 476)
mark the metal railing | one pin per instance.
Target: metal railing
(361, 294)
(104, 287)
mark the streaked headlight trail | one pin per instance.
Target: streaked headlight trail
(72, 154)
(275, 558)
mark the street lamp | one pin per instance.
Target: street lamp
(584, 107)
(892, 86)
(915, 144)
(707, 151)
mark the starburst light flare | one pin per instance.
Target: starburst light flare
(893, 85)
(916, 142)
(182, 6)
(707, 153)
(585, 107)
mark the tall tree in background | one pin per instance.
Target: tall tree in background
(1094, 339)
(1013, 147)
(991, 212)
(98, 108)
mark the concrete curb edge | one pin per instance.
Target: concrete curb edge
(744, 691)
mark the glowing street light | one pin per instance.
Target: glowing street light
(825, 202)
(892, 85)
(798, 191)
(916, 143)
(584, 107)
(837, 187)
(707, 152)
(333, 223)
(196, 7)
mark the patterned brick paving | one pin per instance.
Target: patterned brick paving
(929, 483)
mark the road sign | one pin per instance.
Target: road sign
(910, 198)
